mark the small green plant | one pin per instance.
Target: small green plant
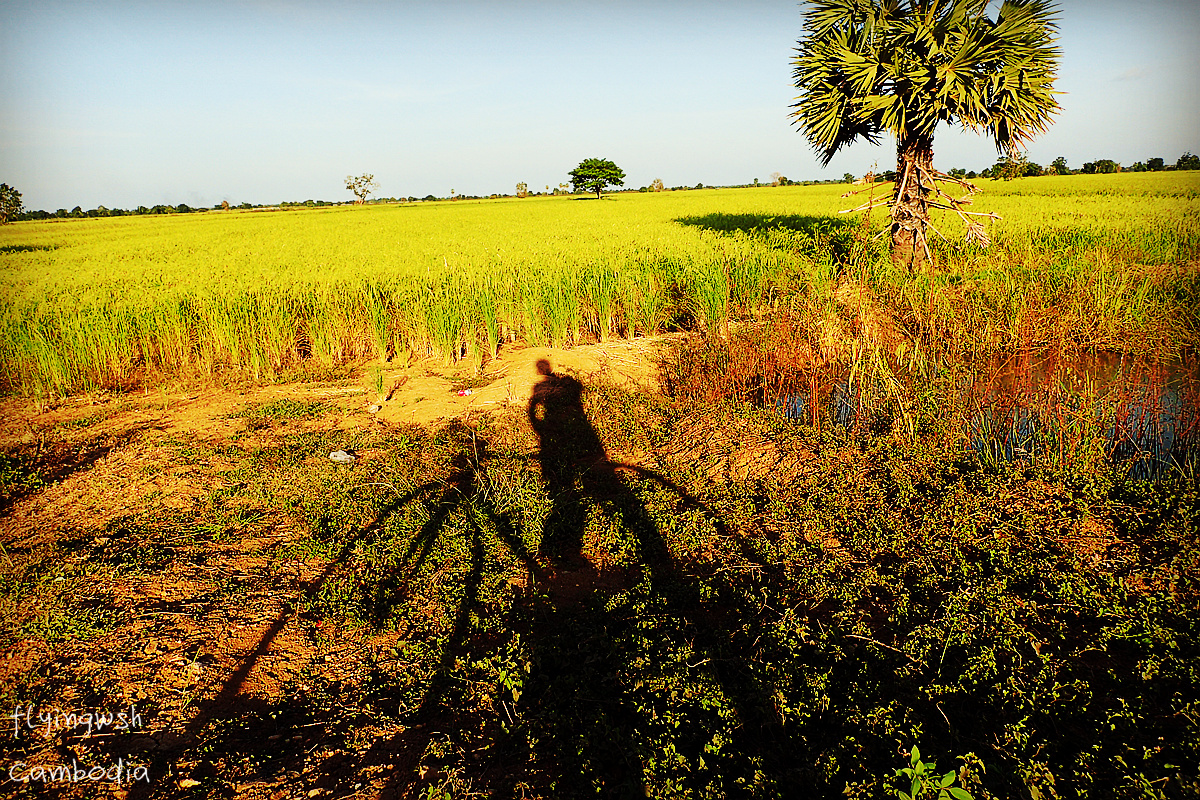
(17, 477)
(82, 422)
(376, 375)
(283, 409)
(70, 624)
(925, 783)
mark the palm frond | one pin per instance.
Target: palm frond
(865, 67)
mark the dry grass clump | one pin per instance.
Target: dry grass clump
(792, 360)
(758, 362)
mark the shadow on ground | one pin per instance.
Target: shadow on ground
(26, 248)
(762, 224)
(820, 238)
(558, 692)
(499, 621)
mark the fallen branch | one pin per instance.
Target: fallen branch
(867, 206)
(884, 646)
(867, 188)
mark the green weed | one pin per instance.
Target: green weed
(282, 410)
(18, 476)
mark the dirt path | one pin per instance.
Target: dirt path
(94, 471)
(422, 393)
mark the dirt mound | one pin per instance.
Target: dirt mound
(428, 392)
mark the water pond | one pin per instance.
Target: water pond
(1142, 415)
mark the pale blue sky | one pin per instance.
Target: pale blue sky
(129, 103)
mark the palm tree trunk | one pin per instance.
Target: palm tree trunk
(910, 207)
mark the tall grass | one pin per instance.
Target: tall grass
(1078, 261)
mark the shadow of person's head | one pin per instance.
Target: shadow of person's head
(555, 398)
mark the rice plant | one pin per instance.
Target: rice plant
(1081, 261)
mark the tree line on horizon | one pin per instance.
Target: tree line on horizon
(1007, 168)
(1019, 166)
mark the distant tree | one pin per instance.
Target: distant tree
(1011, 167)
(958, 173)
(699, 186)
(10, 203)
(77, 211)
(848, 178)
(361, 185)
(1106, 166)
(866, 68)
(594, 174)
(1154, 164)
(522, 189)
(1188, 161)
(1137, 166)
(1059, 165)
(656, 185)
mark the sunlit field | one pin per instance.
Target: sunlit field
(860, 521)
(1102, 262)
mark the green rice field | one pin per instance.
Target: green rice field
(1091, 262)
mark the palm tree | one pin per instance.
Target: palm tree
(869, 67)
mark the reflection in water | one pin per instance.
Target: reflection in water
(1037, 409)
